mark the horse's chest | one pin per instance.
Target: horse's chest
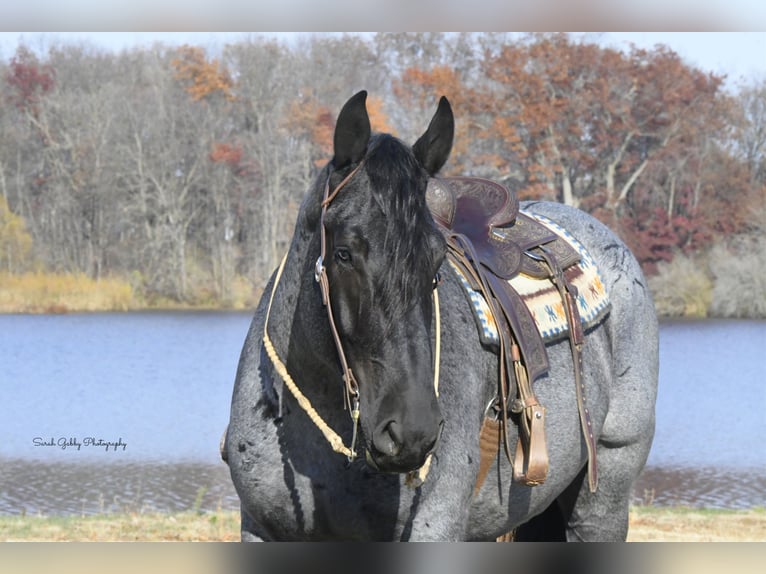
(296, 493)
(331, 508)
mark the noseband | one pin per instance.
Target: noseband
(351, 387)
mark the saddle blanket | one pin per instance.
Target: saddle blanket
(543, 299)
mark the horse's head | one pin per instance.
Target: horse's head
(382, 253)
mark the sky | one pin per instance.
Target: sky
(735, 54)
(380, 15)
(738, 55)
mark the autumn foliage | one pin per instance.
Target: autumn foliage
(29, 80)
(183, 167)
(201, 78)
(230, 154)
(636, 137)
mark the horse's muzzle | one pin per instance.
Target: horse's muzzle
(396, 449)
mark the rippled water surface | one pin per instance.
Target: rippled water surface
(80, 488)
(115, 412)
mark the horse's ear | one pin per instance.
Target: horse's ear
(434, 146)
(352, 131)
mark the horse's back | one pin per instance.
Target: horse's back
(631, 324)
(620, 270)
(632, 321)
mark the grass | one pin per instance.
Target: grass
(221, 526)
(647, 523)
(40, 292)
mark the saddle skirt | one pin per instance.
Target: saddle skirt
(542, 298)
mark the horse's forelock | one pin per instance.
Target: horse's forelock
(397, 184)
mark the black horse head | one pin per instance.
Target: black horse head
(382, 254)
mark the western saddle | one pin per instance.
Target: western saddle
(490, 241)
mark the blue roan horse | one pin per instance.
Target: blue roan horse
(341, 357)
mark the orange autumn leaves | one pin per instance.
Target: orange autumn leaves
(201, 77)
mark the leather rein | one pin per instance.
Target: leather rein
(350, 384)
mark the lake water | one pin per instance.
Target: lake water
(124, 412)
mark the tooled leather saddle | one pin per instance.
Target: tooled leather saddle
(490, 241)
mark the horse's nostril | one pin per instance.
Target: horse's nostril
(388, 440)
(394, 430)
(432, 447)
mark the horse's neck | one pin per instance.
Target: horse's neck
(298, 322)
(299, 328)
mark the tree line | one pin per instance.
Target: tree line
(181, 169)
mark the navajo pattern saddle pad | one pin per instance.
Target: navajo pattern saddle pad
(543, 299)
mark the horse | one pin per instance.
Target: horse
(359, 398)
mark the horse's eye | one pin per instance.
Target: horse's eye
(342, 255)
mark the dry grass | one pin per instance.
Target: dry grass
(220, 526)
(61, 293)
(646, 524)
(41, 292)
(682, 288)
(650, 524)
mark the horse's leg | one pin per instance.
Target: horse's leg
(603, 516)
(247, 529)
(626, 436)
(549, 526)
(578, 515)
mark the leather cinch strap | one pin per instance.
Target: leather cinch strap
(568, 293)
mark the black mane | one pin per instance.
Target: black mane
(398, 183)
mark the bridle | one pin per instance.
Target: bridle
(351, 387)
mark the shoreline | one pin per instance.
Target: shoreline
(191, 308)
(647, 524)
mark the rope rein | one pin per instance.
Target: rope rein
(332, 437)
